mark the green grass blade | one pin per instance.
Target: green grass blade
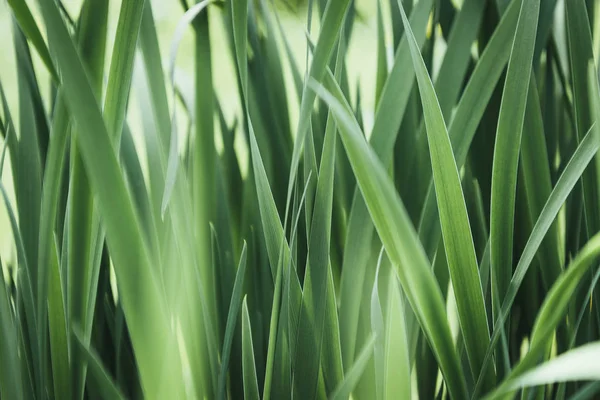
(397, 384)
(186, 20)
(573, 171)
(10, 366)
(27, 186)
(80, 271)
(100, 380)
(401, 243)
(232, 317)
(389, 114)
(26, 288)
(57, 328)
(342, 392)
(587, 391)
(506, 148)
(143, 304)
(574, 365)
(330, 29)
(456, 60)
(563, 291)
(469, 112)
(248, 364)
(378, 328)
(537, 182)
(31, 30)
(306, 368)
(382, 67)
(580, 54)
(454, 220)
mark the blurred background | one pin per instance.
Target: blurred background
(361, 63)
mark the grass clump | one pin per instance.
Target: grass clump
(447, 247)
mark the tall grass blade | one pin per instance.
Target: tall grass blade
(456, 230)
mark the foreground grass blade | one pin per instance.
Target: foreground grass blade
(506, 149)
(401, 243)
(143, 303)
(456, 231)
(578, 364)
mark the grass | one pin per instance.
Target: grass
(429, 231)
